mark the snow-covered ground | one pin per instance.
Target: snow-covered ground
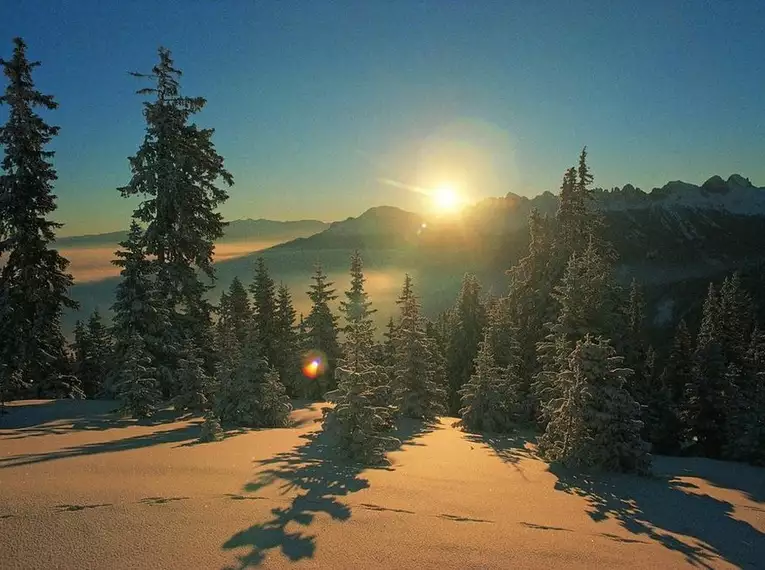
(80, 489)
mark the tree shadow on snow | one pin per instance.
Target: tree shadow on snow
(318, 478)
(747, 479)
(177, 435)
(660, 508)
(510, 448)
(59, 417)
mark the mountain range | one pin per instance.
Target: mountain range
(673, 239)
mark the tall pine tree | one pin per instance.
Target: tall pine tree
(321, 332)
(359, 329)
(419, 389)
(177, 171)
(466, 332)
(34, 282)
(263, 290)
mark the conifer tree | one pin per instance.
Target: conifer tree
(238, 310)
(595, 423)
(134, 380)
(211, 428)
(359, 420)
(34, 282)
(359, 327)
(195, 387)
(466, 332)
(321, 331)
(705, 399)
(589, 301)
(252, 395)
(735, 320)
(287, 362)
(489, 402)
(98, 361)
(177, 171)
(389, 347)
(263, 290)
(138, 310)
(419, 389)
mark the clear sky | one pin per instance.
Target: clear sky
(315, 102)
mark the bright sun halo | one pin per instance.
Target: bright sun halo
(446, 199)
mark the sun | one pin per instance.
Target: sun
(446, 199)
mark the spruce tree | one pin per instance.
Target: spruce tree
(263, 290)
(469, 319)
(705, 409)
(34, 282)
(176, 171)
(419, 389)
(321, 332)
(589, 303)
(239, 312)
(669, 435)
(287, 362)
(211, 428)
(490, 403)
(98, 361)
(138, 310)
(359, 420)
(735, 320)
(135, 380)
(359, 328)
(251, 395)
(595, 423)
(195, 387)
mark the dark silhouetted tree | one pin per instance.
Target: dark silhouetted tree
(177, 172)
(34, 283)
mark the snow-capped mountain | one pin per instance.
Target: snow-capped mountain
(737, 195)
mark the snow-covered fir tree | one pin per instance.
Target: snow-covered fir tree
(595, 422)
(359, 420)
(359, 328)
(211, 428)
(321, 332)
(34, 283)
(466, 331)
(705, 405)
(138, 310)
(287, 358)
(669, 434)
(589, 302)
(95, 355)
(196, 387)
(419, 388)
(490, 402)
(134, 380)
(236, 312)
(263, 290)
(177, 171)
(735, 320)
(251, 394)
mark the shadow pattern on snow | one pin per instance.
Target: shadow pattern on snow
(510, 448)
(319, 478)
(660, 508)
(180, 434)
(59, 417)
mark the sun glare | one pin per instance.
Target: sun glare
(446, 199)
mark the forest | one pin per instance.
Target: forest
(565, 350)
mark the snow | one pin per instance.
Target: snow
(80, 488)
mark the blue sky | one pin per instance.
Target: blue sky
(314, 102)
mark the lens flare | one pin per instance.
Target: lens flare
(314, 364)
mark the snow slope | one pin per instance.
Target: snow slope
(82, 489)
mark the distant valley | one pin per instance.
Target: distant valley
(673, 239)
